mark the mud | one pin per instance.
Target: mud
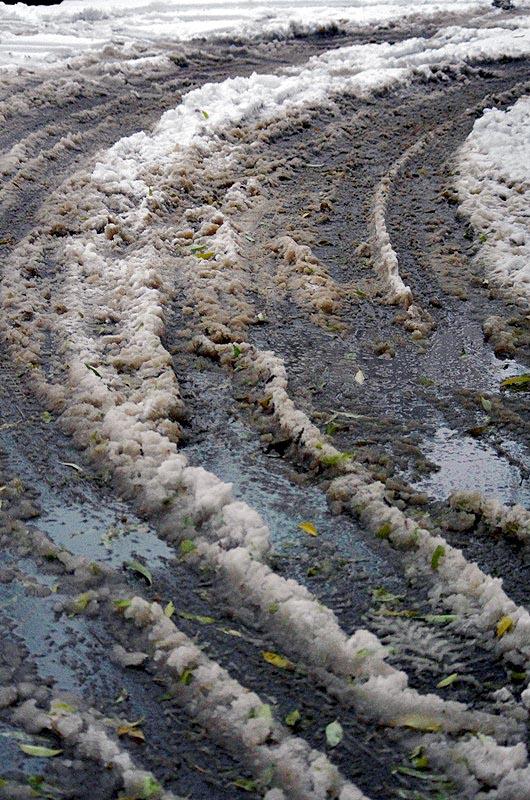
(420, 396)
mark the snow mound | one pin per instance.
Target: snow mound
(494, 192)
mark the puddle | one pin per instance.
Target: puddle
(259, 480)
(85, 523)
(466, 464)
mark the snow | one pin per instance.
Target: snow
(359, 69)
(494, 193)
(38, 35)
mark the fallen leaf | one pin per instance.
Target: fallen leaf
(39, 752)
(334, 733)
(120, 604)
(231, 632)
(187, 546)
(292, 718)
(417, 722)
(263, 712)
(359, 377)
(94, 370)
(447, 681)
(186, 677)
(132, 730)
(424, 776)
(309, 528)
(383, 596)
(123, 695)
(486, 404)
(150, 787)
(517, 383)
(277, 660)
(196, 618)
(438, 554)
(246, 784)
(141, 569)
(80, 603)
(169, 610)
(504, 625)
(440, 619)
(72, 465)
(59, 705)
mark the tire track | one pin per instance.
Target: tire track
(99, 327)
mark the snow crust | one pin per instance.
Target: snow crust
(494, 192)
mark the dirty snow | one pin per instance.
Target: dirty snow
(494, 191)
(39, 35)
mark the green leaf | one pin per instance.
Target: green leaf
(186, 677)
(150, 788)
(236, 351)
(205, 114)
(246, 784)
(424, 776)
(438, 554)
(486, 404)
(119, 604)
(334, 733)
(141, 569)
(292, 718)
(169, 609)
(94, 370)
(46, 417)
(447, 681)
(440, 619)
(383, 596)
(205, 256)
(81, 602)
(59, 705)
(196, 618)
(39, 752)
(187, 546)
(262, 712)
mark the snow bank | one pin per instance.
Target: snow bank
(494, 191)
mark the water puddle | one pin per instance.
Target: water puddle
(261, 481)
(466, 464)
(81, 520)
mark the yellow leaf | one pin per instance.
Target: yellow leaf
(131, 730)
(504, 625)
(309, 528)
(277, 660)
(418, 722)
